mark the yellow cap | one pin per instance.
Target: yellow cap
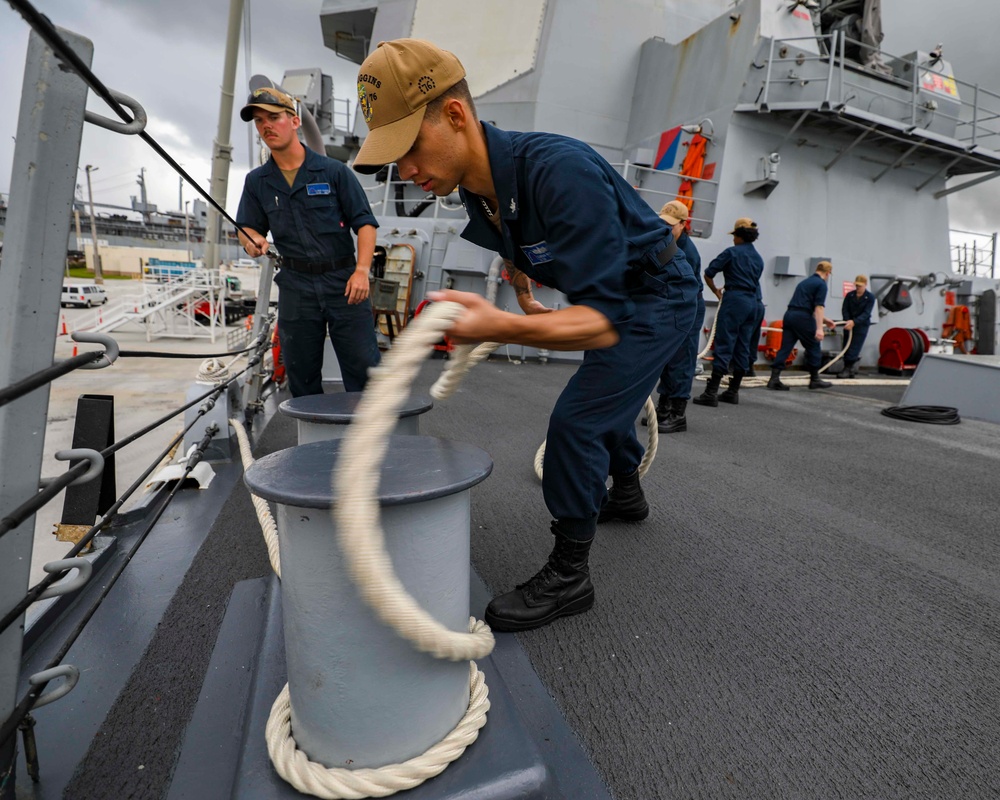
(395, 84)
(742, 222)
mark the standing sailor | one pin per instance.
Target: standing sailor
(559, 214)
(678, 374)
(739, 313)
(803, 322)
(856, 312)
(310, 204)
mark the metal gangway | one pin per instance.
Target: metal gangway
(190, 305)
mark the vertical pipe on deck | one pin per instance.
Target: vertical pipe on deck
(43, 181)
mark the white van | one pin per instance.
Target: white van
(245, 263)
(82, 294)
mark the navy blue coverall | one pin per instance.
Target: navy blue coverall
(741, 309)
(799, 324)
(571, 222)
(678, 375)
(860, 310)
(311, 223)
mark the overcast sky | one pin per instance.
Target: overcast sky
(169, 57)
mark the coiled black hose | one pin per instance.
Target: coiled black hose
(932, 415)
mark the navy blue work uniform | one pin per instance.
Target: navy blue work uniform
(858, 309)
(678, 375)
(741, 309)
(799, 324)
(571, 222)
(311, 223)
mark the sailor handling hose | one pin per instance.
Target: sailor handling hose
(561, 215)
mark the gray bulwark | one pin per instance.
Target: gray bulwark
(351, 678)
(325, 416)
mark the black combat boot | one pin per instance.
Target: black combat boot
(675, 421)
(816, 382)
(662, 410)
(626, 500)
(710, 397)
(752, 372)
(849, 370)
(775, 381)
(732, 393)
(561, 588)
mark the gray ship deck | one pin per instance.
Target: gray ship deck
(812, 609)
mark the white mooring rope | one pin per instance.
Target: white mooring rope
(264, 517)
(652, 443)
(362, 542)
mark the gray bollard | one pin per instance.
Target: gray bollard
(326, 416)
(361, 695)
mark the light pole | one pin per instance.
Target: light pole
(187, 229)
(98, 275)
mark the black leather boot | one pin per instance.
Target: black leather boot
(710, 397)
(560, 588)
(732, 393)
(662, 410)
(626, 500)
(775, 381)
(675, 421)
(849, 370)
(816, 382)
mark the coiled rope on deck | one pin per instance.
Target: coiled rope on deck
(362, 542)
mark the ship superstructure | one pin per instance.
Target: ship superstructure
(787, 113)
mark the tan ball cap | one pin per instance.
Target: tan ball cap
(395, 84)
(673, 212)
(742, 222)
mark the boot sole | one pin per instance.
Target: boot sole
(578, 606)
(710, 403)
(781, 388)
(674, 429)
(734, 401)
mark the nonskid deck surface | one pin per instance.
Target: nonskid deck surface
(811, 610)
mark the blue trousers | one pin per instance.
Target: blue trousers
(740, 314)
(678, 375)
(310, 307)
(799, 326)
(591, 431)
(857, 342)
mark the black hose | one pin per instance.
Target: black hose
(932, 415)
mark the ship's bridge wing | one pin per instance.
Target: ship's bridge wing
(912, 109)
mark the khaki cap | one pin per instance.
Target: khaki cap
(273, 100)
(742, 222)
(673, 212)
(395, 84)
(862, 279)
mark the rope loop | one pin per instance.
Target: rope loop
(357, 515)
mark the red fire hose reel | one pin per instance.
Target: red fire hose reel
(901, 349)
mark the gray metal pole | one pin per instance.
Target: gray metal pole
(98, 272)
(222, 149)
(43, 180)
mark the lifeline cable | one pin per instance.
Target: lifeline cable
(44, 28)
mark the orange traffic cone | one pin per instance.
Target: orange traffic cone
(62, 330)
